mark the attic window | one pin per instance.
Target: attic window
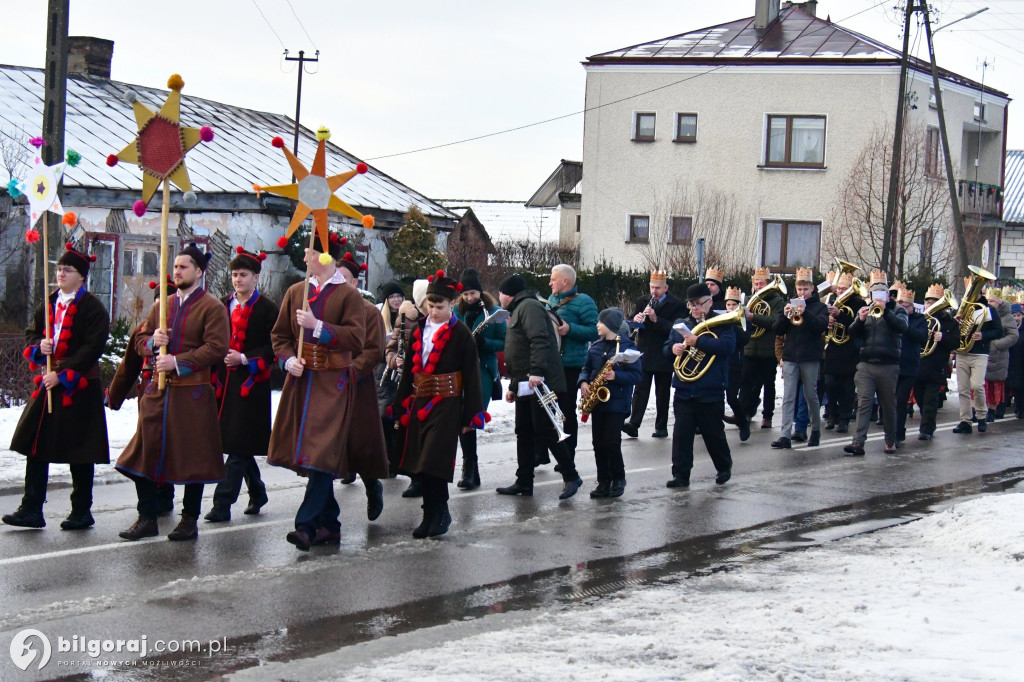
(979, 112)
(643, 127)
(686, 128)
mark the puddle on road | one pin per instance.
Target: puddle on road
(583, 581)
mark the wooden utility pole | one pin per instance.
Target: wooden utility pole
(889, 225)
(301, 59)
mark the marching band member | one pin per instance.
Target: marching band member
(931, 375)
(64, 421)
(801, 356)
(739, 417)
(759, 362)
(715, 280)
(410, 313)
(910, 359)
(242, 384)
(970, 372)
(653, 324)
(701, 402)
(841, 360)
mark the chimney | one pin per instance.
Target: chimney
(809, 7)
(765, 12)
(88, 56)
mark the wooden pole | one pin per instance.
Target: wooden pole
(46, 308)
(305, 287)
(165, 208)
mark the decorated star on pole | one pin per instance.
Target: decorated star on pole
(314, 190)
(40, 188)
(160, 148)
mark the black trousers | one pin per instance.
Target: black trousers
(149, 498)
(904, 385)
(607, 433)
(467, 441)
(926, 393)
(388, 425)
(435, 490)
(758, 374)
(841, 396)
(690, 413)
(642, 393)
(567, 404)
(732, 393)
(533, 428)
(236, 469)
(36, 475)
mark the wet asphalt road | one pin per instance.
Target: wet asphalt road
(242, 584)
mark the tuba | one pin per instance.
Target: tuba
(842, 267)
(837, 334)
(549, 401)
(694, 363)
(947, 301)
(970, 309)
(758, 306)
(598, 391)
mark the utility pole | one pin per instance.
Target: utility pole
(889, 226)
(301, 59)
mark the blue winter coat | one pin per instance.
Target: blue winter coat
(626, 376)
(710, 387)
(494, 342)
(580, 313)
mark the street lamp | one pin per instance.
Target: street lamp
(963, 18)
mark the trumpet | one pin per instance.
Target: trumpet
(877, 310)
(796, 318)
(549, 401)
(694, 363)
(947, 301)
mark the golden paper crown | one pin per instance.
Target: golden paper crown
(805, 275)
(716, 274)
(659, 276)
(905, 296)
(762, 273)
(897, 285)
(935, 291)
(830, 276)
(845, 280)
(993, 292)
(733, 294)
(878, 277)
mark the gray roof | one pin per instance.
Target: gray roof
(100, 122)
(1013, 191)
(567, 177)
(509, 220)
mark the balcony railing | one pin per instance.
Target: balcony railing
(977, 198)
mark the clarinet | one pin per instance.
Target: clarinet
(392, 373)
(643, 319)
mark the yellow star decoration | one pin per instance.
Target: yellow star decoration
(315, 191)
(160, 148)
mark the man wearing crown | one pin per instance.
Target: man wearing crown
(841, 359)
(715, 279)
(652, 319)
(972, 364)
(310, 434)
(931, 374)
(178, 437)
(759, 362)
(64, 422)
(242, 384)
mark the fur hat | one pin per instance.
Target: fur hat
(419, 291)
(202, 260)
(470, 280)
(695, 291)
(390, 289)
(441, 285)
(247, 260)
(76, 259)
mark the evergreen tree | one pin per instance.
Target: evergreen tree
(413, 252)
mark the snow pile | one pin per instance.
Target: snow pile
(936, 599)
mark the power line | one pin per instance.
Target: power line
(269, 25)
(302, 25)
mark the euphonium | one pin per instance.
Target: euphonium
(970, 309)
(694, 363)
(837, 334)
(947, 301)
(758, 306)
(598, 391)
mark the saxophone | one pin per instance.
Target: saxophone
(598, 391)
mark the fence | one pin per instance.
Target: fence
(15, 378)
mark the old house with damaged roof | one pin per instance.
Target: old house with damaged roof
(227, 212)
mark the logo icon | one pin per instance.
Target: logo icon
(23, 653)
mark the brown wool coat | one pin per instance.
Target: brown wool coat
(311, 427)
(429, 446)
(367, 454)
(188, 450)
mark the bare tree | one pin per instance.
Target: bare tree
(14, 156)
(922, 233)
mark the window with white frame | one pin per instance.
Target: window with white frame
(639, 229)
(686, 127)
(787, 245)
(979, 111)
(643, 126)
(795, 141)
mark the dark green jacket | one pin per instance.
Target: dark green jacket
(494, 342)
(764, 347)
(530, 344)
(580, 313)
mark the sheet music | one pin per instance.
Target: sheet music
(626, 357)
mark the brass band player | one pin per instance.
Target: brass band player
(841, 359)
(759, 362)
(972, 362)
(931, 375)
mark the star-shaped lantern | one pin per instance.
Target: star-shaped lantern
(314, 190)
(40, 188)
(160, 148)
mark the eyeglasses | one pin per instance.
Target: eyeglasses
(697, 304)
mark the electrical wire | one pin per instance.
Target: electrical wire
(269, 25)
(303, 26)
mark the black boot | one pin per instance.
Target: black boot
(77, 521)
(374, 499)
(218, 514)
(142, 528)
(617, 488)
(25, 518)
(187, 528)
(257, 500)
(421, 531)
(991, 416)
(415, 489)
(441, 521)
(470, 473)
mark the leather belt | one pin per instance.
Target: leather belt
(442, 385)
(319, 357)
(194, 379)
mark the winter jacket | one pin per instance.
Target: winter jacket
(710, 387)
(881, 337)
(736, 359)
(999, 349)
(933, 367)
(764, 347)
(1015, 373)
(990, 331)
(804, 342)
(491, 342)
(626, 375)
(913, 341)
(580, 312)
(652, 335)
(842, 358)
(530, 344)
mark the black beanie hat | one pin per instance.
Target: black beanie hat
(247, 260)
(512, 285)
(196, 254)
(699, 290)
(391, 288)
(471, 280)
(611, 318)
(76, 259)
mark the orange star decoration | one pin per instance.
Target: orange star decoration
(160, 148)
(315, 191)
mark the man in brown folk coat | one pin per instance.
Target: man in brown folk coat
(178, 437)
(439, 397)
(311, 427)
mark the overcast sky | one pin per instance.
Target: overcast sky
(399, 75)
